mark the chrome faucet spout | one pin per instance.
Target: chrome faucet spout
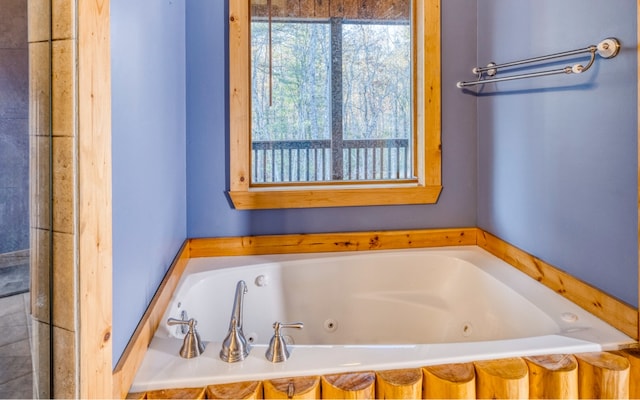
(235, 347)
(236, 313)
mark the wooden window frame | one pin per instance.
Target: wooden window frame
(427, 124)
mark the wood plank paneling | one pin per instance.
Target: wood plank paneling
(322, 9)
(396, 10)
(392, 9)
(350, 8)
(293, 8)
(336, 8)
(366, 9)
(307, 8)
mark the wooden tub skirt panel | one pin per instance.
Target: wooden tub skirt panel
(633, 355)
(559, 376)
(356, 385)
(553, 376)
(399, 384)
(502, 379)
(603, 376)
(449, 381)
(307, 387)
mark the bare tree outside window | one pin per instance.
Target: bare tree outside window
(331, 96)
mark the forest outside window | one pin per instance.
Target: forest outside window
(334, 102)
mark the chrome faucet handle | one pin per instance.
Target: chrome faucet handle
(192, 346)
(277, 350)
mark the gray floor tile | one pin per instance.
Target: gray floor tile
(11, 305)
(16, 370)
(14, 367)
(16, 349)
(14, 280)
(18, 388)
(15, 319)
(13, 334)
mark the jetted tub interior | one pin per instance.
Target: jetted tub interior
(366, 311)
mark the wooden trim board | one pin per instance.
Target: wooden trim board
(131, 359)
(618, 314)
(609, 309)
(330, 242)
(94, 220)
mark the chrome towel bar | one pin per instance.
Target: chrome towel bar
(608, 48)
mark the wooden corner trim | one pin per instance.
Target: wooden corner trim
(128, 365)
(331, 242)
(606, 307)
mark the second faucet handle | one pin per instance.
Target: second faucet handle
(192, 346)
(277, 350)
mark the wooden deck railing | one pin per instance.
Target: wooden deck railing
(318, 160)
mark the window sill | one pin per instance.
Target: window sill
(255, 199)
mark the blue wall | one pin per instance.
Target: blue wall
(149, 151)
(548, 165)
(211, 215)
(557, 172)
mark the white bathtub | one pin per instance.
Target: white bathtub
(363, 311)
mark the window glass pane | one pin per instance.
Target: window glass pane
(376, 98)
(376, 81)
(290, 99)
(331, 98)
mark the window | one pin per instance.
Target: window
(302, 132)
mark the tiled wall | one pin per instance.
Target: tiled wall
(14, 140)
(52, 133)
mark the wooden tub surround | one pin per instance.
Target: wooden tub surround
(602, 375)
(607, 374)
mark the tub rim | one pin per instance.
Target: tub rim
(256, 367)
